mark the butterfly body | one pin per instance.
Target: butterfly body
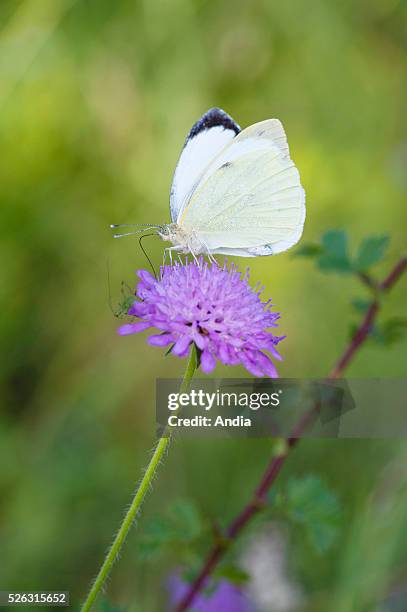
(184, 241)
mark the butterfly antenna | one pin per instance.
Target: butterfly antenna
(140, 228)
(145, 252)
(127, 234)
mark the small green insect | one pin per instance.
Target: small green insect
(127, 299)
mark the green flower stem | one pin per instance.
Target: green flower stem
(138, 498)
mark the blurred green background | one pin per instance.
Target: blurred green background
(96, 98)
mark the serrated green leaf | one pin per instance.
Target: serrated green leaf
(185, 518)
(334, 256)
(390, 332)
(329, 263)
(335, 242)
(232, 573)
(311, 504)
(361, 305)
(371, 251)
(157, 536)
(180, 525)
(322, 535)
(308, 249)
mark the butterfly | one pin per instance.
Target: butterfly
(234, 192)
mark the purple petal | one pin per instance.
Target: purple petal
(181, 346)
(133, 328)
(199, 340)
(138, 309)
(227, 355)
(184, 353)
(252, 367)
(160, 339)
(146, 277)
(208, 362)
(267, 365)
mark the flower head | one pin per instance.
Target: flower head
(214, 307)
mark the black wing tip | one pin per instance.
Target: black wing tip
(212, 118)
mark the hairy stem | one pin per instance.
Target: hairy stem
(138, 498)
(258, 500)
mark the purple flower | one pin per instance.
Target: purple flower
(212, 306)
(225, 597)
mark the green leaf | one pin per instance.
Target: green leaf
(158, 535)
(390, 332)
(308, 249)
(185, 518)
(312, 505)
(371, 251)
(361, 305)
(232, 573)
(334, 256)
(180, 525)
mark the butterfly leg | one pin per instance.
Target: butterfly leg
(167, 256)
(211, 258)
(168, 251)
(209, 254)
(193, 255)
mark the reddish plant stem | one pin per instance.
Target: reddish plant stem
(258, 500)
(365, 327)
(394, 275)
(358, 338)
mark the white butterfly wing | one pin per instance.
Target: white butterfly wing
(207, 138)
(270, 129)
(250, 200)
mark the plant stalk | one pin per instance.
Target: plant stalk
(139, 496)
